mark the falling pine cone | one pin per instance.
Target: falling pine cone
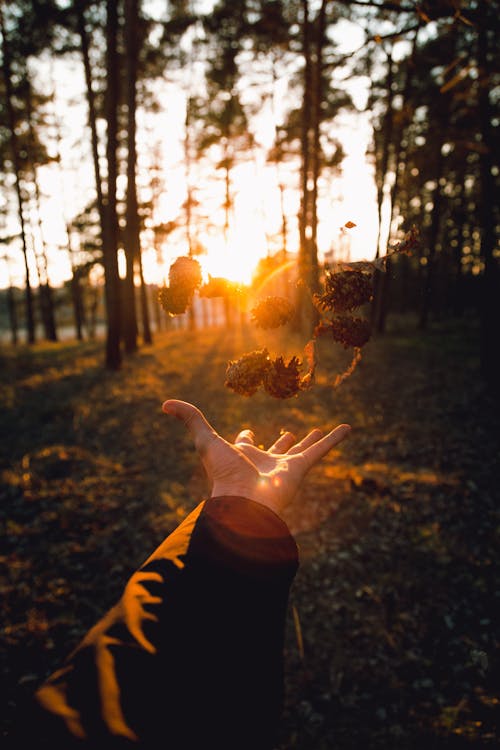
(345, 290)
(246, 374)
(283, 380)
(174, 300)
(272, 312)
(346, 330)
(185, 274)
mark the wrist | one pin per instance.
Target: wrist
(258, 491)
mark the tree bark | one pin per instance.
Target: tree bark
(92, 115)
(13, 321)
(304, 321)
(490, 308)
(381, 302)
(131, 237)
(110, 246)
(6, 67)
(429, 270)
(45, 291)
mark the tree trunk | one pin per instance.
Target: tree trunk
(304, 321)
(490, 308)
(12, 308)
(317, 94)
(429, 270)
(77, 303)
(30, 319)
(147, 336)
(131, 236)
(383, 281)
(382, 162)
(110, 246)
(92, 116)
(45, 290)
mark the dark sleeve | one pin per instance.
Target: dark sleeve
(192, 654)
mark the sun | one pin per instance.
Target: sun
(235, 260)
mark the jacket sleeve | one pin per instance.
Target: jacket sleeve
(192, 654)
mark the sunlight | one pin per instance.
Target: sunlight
(237, 260)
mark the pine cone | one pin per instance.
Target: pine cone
(185, 274)
(246, 374)
(283, 380)
(347, 330)
(345, 290)
(272, 312)
(174, 300)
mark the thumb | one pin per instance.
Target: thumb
(320, 448)
(193, 419)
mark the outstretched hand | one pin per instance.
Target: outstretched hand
(270, 477)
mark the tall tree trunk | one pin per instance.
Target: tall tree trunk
(381, 302)
(12, 308)
(6, 68)
(304, 306)
(92, 116)
(110, 246)
(188, 206)
(45, 290)
(147, 335)
(490, 308)
(382, 162)
(430, 268)
(75, 281)
(77, 304)
(131, 237)
(317, 94)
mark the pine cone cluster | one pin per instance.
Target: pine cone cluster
(272, 312)
(246, 374)
(184, 278)
(255, 369)
(345, 290)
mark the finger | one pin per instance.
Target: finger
(193, 418)
(283, 443)
(311, 438)
(320, 448)
(245, 436)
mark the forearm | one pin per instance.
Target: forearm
(195, 643)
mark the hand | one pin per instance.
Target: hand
(269, 477)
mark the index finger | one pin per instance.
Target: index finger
(320, 448)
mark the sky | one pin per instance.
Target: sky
(351, 198)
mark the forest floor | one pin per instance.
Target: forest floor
(393, 632)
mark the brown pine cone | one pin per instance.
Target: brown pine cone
(348, 331)
(283, 380)
(185, 274)
(345, 329)
(345, 290)
(246, 374)
(174, 300)
(272, 312)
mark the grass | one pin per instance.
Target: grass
(396, 598)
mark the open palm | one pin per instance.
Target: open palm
(270, 477)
